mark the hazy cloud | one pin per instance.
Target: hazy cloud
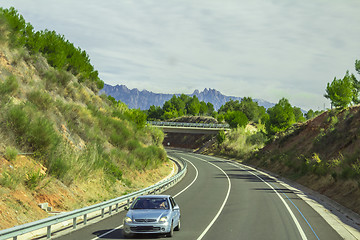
(263, 49)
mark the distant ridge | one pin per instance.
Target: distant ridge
(134, 98)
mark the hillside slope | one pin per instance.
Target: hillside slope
(322, 154)
(60, 142)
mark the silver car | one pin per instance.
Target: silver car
(152, 214)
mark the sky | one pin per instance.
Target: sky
(264, 49)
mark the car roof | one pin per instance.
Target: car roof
(154, 196)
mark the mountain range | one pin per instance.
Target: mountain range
(135, 98)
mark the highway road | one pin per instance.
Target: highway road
(220, 199)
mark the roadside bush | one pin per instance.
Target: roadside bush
(258, 138)
(17, 120)
(41, 99)
(63, 164)
(133, 144)
(9, 86)
(220, 137)
(41, 135)
(157, 136)
(50, 77)
(59, 167)
(113, 170)
(33, 179)
(11, 153)
(117, 140)
(150, 157)
(137, 116)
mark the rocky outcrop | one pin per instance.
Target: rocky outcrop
(135, 98)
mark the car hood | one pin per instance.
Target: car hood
(147, 214)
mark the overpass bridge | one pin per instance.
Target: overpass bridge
(189, 128)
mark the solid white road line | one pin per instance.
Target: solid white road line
(196, 176)
(104, 234)
(222, 206)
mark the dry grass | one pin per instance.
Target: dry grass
(19, 205)
(79, 127)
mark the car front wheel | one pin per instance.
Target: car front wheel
(171, 233)
(177, 228)
(127, 235)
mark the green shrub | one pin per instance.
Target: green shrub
(17, 120)
(41, 99)
(58, 167)
(41, 134)
(113, 170)
(157, 136)
(220, 137)
(51, 79)
(137, 116)
(11, 153)
(148, 157)
(9, 86)
(133, 144)
(63, 78)
(60, 163)
(33, 179)
(256, 139)
(117, 140)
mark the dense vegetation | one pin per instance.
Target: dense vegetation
(235, 113)
(180, 106)
(48, 108)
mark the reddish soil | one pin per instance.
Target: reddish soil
(333, 135)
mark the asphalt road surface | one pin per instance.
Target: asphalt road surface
(222, 200)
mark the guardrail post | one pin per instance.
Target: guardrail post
(102, 212)
(110, 210)
(117, 207)
(128, 203)
(48, 232)
(85, 219)
(15, 238)
(74, 223)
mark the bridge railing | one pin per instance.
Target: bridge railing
(109, 206)
(184, 124)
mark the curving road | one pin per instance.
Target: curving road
(224, 200)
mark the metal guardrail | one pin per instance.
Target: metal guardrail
(184, 124)
(16, 231)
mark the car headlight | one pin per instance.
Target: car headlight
(127, 220)
(163, 219)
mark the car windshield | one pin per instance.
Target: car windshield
(150, 203)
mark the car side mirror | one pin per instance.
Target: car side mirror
(176, 208)
(126, 208)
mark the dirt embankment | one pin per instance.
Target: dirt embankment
(19, 204)
(322, 154)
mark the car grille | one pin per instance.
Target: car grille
(145, 229)
(141, 220)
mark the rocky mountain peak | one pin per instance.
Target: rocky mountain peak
(134, 98)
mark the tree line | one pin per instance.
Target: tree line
(59, 52)
(234, 112)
